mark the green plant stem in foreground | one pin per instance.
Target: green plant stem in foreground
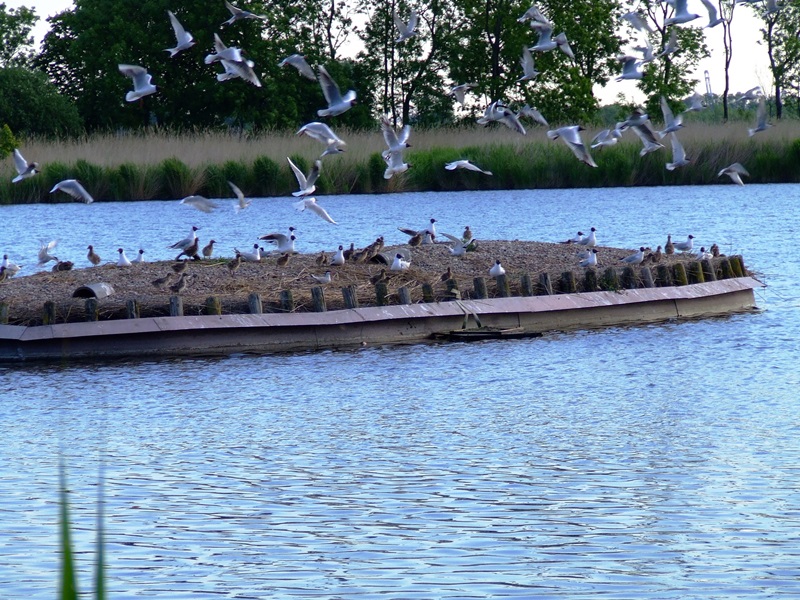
(68, 589)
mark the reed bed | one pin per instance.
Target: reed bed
(165, 165)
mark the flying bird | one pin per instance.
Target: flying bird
(671, 45)
(631, 68)
(397, 142)
(499, 112)
(459, 247)
(528, 71)
(337, 104)
(311, 205)
(74, 189)
(241, 201)
(298, 61)
(395, 163)
(460, 91)
(237, 14)
(201, 203)
(671, 122)
(185, 40)
(713, 19)
(532, 113)
(406, 30)
(233, 62)
(141, 82)
(681, 14)
(761, 118)
(678, 154)
(637, 22)
(465, 164)
(24, 168)
(694, 103)
(572, 138)
(606, 137)
(44, 252)
(284, 242)
(306, 182)
(735, 172)
(322, 133)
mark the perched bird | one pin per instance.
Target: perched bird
(497, 269)
(141, 82)
(715, 250)
(74, 189)
(348, 254)
(447, 275)
(24, 168)
(322, 259)
(467, 235)
(284, 242)
(575, 239)
(187, 241)
(337, 104)
(208, 249)
(338, 258)
(671, 122)
(669, 247)
(703, 254)
(180, 266)
(590, 241)
(238, 14)
(305, 182)
(241, 202)
(44, 252)
(572, 138)
(62, 265)
(183, 37)
(123, 261)
(324, 278)
(406, 30)
(655, 256)
(139, 259)
(460, 91)
(234, 264)
(735, 172)
(465, 164)
(180, 285)
(11, 268)
(635, 258)
(93, 257)
(528, 71)
(298, 61)
(681, 14)
(322, 133)
(713, 19)
(311, 205)
(162, 282)
(283, 259)
(254, 256)
(201, 203)
(191, 250)
(678, 154)
(684, 246)
(379, 277)
(591, 260)
(761, 118)
(399, 264)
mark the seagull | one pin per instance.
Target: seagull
(695, 103)
(461, 90)
(753, 93)
(572, 138)
(24, 168)
(636, 258)
(234, 63)
(11, 268)
(306, 183)
(311, 204)
(681, 14)
(397, 142)
(285, 242)
(254, 256)
(563, 44)
(684, 246)
(528, 70)
(337, 104)
(201, 203)
(322, 133)
(406, 30)
(44, 252)
(465, 164)
(637, 22)
(590, 241)
(460, 247)
(238, 14)
(208, 249)
(589, 261)
(298, 61)
(607, 137)
(671, 122)
(417, 235)
(141, 82)
(546, 42)
(678, 154)
(338, 258)
(647, 135)
(241, 203)
(395, 164)
(671, 45)
(735, 172)
(93, 257)
(497, 269)
(139, 257)
(761, 118)
(324, 278)
(631, 68)
(399, 264)
(534, 15)
(703, 254)
(74, 189)
(123, 261)
(183, 37)
(574, 240)
(187, 241)
(528, 111)
(647, 52)
(713, 19)
(497, 111)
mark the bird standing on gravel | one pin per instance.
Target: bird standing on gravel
(139, 257)
(123, 261)
(93, 257)
(234, 264)
(180, 267)
(161, 282)
(636, 258)
(497, 269)
(591, 260)
(283, 259)
(180, 285)
(208, 249)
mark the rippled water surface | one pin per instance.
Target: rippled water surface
(643, 462)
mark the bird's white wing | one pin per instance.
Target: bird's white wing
(201, 203)
(319, 211)
(19, 162)
(389, 133)
(237, 192)
(74, 189)
(298, 61)
(329, 88)
(313, 175)
(180, 33)
(299, 175)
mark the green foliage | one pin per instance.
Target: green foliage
(31, 105)
(268, 177)
(15, 38)
(7, 141)
(176, 178)
(68, 588)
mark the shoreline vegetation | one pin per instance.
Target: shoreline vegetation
(158, 165)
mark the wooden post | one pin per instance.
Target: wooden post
(349, 296)
(3, 313)
(175, 306)
(427, 293)
(480, 288)
(318, 299)
(709, 274)
(403, 295)
(610, 280)
(695, 272)
(628, 279)
(526, 285)
(663, 276)
(545, 285)
(452, 292)
(254, 304)
(727, 270)
(502, 286)
(679, 274)
(92, 309)
(213, 306)
(287, 301)
(567, 283)
(132, 308)
(737, 264)
(49, 316)
(647, 278)
(382, 293)
(590, 280)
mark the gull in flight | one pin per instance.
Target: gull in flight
(123, 261)
(497, 269)
(298, 61)
(684, 246)
(753, 93)
(607, 137)
(636, 258)
(44, 252)
(499, 112)
(631, 68)
(644, 130)
(671, 122)
(233, 62)
(406, 30)
(637, 22)
(695, 103)
(74, 189)
(572, 138)
(337, 104)
(241, 203)
(528, 70)
(532, 113)
(323, 279)
(681, 14)
(678, 154)
(396, 142)
(546, 43)
(284, 242)
(201, 203)
(306, 182)
(589, 261)
(322, 133)
(534, 15)
(24, 168)
(399, 264)
(237, 14)
(465, 164)
(735, 172)
(395, 164)
(761, 118)
(311, 204)
(713, 19)
(187, 241)
(460, 247)
(184, 39)
(671, 45)
(460, 91)
(141, 82)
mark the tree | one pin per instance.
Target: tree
(15, 37)
(726, 8)
(31, 105)
(783, 47)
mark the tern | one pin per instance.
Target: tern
(735, 172)
(761, 118)
(572, 138)
(74, 189)
(636, 258)
(44, 252)
(183, 37)
(141, 82)
(237, 14)
(678, 154)
(684, 246)
(337, 104)
(465, 164)
(311, 204)
(406, 30)
(298, 61)
(460, 91)
(93, 257)
(187, 241)
(497, 269)
(241, 202)
(399, 264)
(123, 261)
(323, 279)
(24, 168)
(201, 203)
(591, 260)
(306, 182)
(322, 133)
(254, 256)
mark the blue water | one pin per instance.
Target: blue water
(642, 462)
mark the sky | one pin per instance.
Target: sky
(749, 66)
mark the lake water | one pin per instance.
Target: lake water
(641, 462)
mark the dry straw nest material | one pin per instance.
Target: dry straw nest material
(26, 295)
